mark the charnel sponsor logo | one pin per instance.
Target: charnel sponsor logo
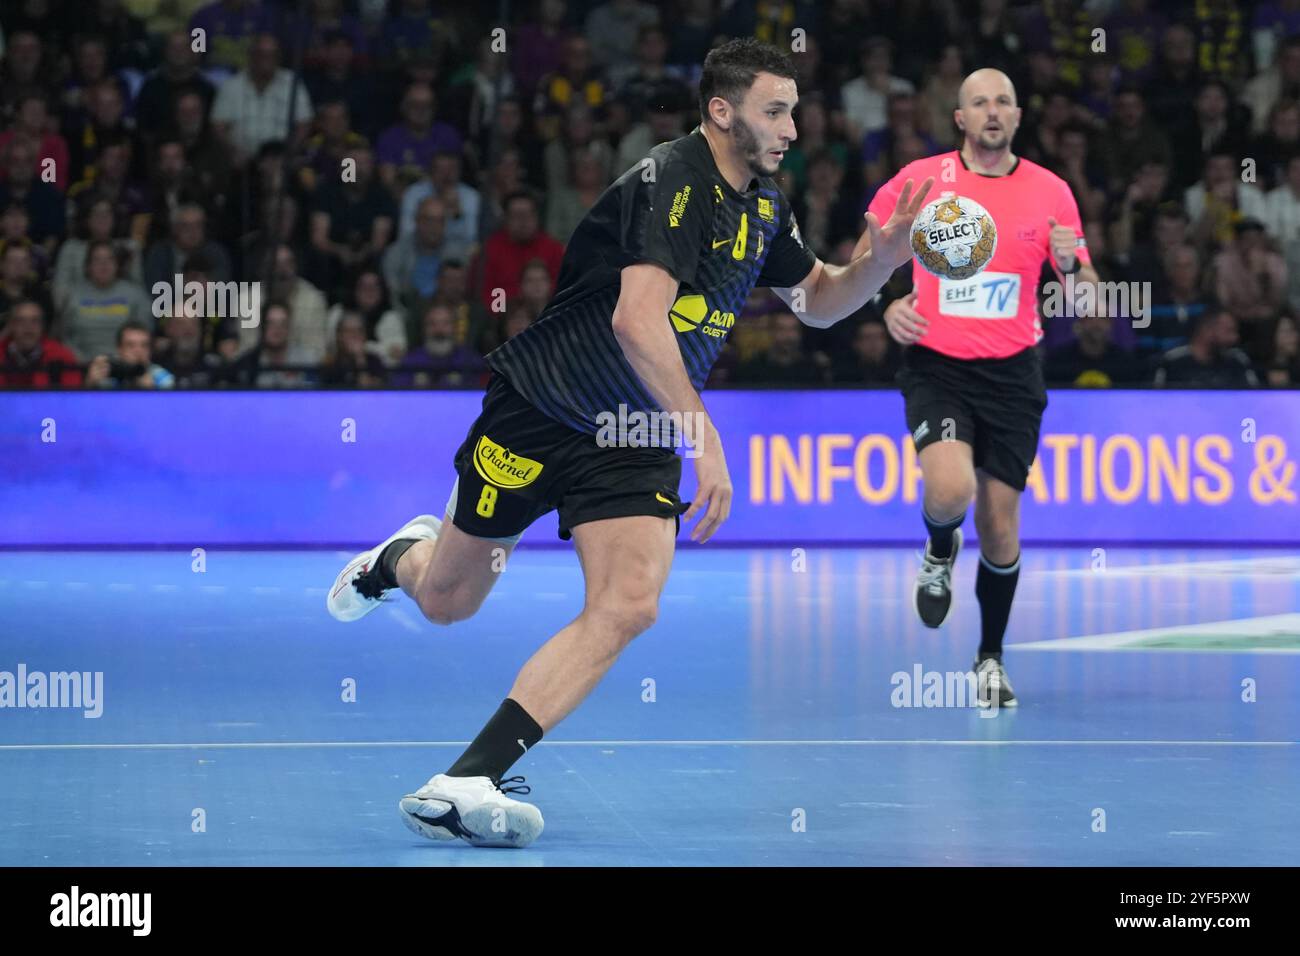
(82, 690)
(133, 910)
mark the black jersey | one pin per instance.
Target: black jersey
(674, 209)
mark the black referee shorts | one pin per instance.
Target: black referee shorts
(994, 405)
(516, 464)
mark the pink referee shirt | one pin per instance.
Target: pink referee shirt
(993, 314)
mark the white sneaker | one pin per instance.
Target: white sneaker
(347, 602)
(473, 809)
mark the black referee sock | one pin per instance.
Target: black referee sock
(507, 737)
(995, 587)
(941, 534)
(389, 557)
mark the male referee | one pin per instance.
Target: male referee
(972, 380)
(649, 287)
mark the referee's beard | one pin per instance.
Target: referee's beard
(752, 150)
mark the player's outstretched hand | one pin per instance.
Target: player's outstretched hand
(905, 324)
(713, 488)
(892, 242)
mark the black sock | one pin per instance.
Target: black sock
(941, 534)
(389, 557)
(995, 587)
(505, 738)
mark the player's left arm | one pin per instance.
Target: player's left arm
(828, 293)
(1066, 248)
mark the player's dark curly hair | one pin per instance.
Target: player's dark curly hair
(729, 70)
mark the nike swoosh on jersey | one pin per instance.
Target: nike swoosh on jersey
(660, 497)
(720, 242)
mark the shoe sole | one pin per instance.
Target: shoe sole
(916, 592)
(479, 827)
(341, 580)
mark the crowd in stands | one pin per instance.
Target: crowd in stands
(400, 177)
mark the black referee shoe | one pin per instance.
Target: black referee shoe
(992, 688)
(933, 595)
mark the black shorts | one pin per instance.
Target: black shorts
(994, 405)
(516, 464)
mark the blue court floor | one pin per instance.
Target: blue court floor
(758, 723)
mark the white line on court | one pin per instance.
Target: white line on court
(307, 744)
(404, 619)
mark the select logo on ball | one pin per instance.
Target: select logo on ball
(954, 237)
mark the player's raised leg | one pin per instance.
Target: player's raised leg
(997, 522)
(625, 562)
(948, 476)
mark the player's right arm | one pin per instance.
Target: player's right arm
(649, 343)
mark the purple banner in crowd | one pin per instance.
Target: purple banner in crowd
(310, 468)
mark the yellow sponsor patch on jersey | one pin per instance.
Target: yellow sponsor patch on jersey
(678, 207)
(765, 209)
(688, 312)
(503, 469)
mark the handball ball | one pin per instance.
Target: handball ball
(954, 237)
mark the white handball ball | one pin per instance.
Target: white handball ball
(954, 237)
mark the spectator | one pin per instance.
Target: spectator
(96, 225)
(1281, 81)
(872, 360)
(323, 20)
(337, 79)
(253, 106)
(878, 145)
(693, 34)
(1274, 149)
(32, 123)
(257, 248)
(613, 29)
(1250, 278)
(568, 203)
(31, 359)
(411, 265)
(517, 319)
(1075, 165)
(405, 150)
(1091, 359)
(113, 181)
(475, 90)
(89, 70)
(866, 98)
(784, 362)
(826, 212)
(219, 329)
(349, 364)
(460, 204)
(1210, 359)
(412, 31)
(44, 204)
(172, 185)
(638, 80)
(539, 47)
(510, 133)
(473, 322)
(207, 163)
(327, 148)
(441, 360)
(1220, 200)
(1139, 31)
(1181, 299)
(155, 104)
(1176, 79)
(309, 329)
(104, 123)
(14, 223)
(509, 249)
(578, 81)
(1281, 367)
(663, 122)
(351, 222)
(1282, 220)
(385, 326)
(18, 278)
(232, 28)
(1131, 141)
(98, 305)
(1274, 19)
(939, 97)
(1214, 127)
(579, 134)
(166, 258)
(26, 71)
(274, 362)
(505, 179)
(182, 353)
(132, 365)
